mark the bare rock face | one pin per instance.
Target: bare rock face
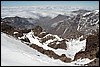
(83, 23)
(64, 58)
(37, 30)
(49, 53)
(84, 54)
(97, 54)
(58, 44)
(40, 49)
(20, 32)
(53, 45)
(7, 28)
(47, 38)
(92, 48)
(92, 43)
(41, 35)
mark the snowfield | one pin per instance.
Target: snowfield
(74, 45)
(16, 53)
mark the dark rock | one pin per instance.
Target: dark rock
(7, 28)
(25, 30)
(25, 40)
(37, 30)
(61, 45)
(92, 48)
(53, 45)
(76, 25)
(50, 53)
(38, 55)
(97, 54)
(64, 58)
(47, 38)
(92, 42)
(41, 35)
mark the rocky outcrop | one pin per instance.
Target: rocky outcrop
(58, 44)
(25, 40)
(10, 30)
(42, 34)
(92, 43)
(92, 48)
(37, 30)
(64, 58)
(50, 53)
(44, 39)
(7, 28)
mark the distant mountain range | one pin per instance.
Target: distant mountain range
(80, 22)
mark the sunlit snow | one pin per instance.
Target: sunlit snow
(15, 53)
(73, 46)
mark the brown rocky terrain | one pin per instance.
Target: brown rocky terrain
(91, 51)
(51, 54)
(8, 29)
(61, 44)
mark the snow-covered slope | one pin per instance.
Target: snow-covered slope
(15, 53)
(74, 46)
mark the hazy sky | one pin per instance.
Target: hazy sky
(50, 3)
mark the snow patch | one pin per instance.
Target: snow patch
(15, 32)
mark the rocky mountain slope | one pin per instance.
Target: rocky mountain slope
(80, 24)
(84, 22)
(19, 22)
(67, 38)
(57, 47)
